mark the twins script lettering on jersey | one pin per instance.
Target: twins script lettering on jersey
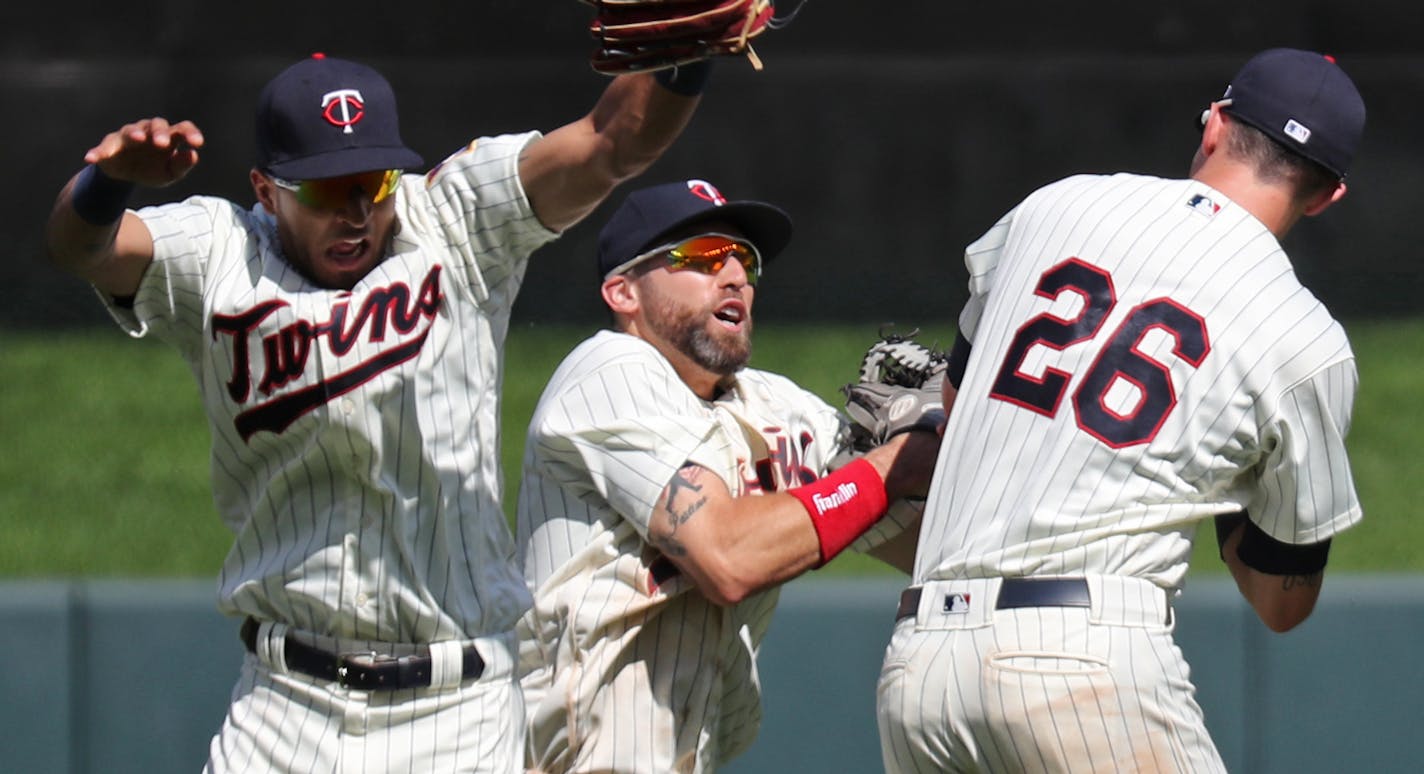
(783, 468)
(1120, 360)
(285, 352)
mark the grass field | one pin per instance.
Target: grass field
(104, 467)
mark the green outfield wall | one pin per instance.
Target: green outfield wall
(132, 676)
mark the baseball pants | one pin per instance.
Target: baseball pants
(969, 687)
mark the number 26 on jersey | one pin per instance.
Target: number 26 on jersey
(1125, 395)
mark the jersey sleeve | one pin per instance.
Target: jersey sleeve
(981, 258)
(476, 204)
(984, 255)
(619, 434)
(1305, 491)
(169, 302)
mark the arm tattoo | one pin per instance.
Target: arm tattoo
(1296, 581)
(680, 507)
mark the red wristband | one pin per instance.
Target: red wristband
(843, 505)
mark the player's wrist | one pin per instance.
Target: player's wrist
(688, 80)
(97, 198)
(843, 505)
(911, 462)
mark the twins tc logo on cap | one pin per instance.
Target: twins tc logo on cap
(343, 108)
(706, 191)
(297, 110)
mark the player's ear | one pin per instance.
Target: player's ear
(1213, 124)
(1325, 199)
(263, 189)
(621, 294)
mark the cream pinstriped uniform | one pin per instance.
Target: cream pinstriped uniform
(622, 674)
(355, 458)
(1143, 358)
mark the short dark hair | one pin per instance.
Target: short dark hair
(1275, 163)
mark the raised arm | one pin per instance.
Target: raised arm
(90, 234)
(731, 547)
(572, 169)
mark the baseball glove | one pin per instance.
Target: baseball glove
(898, 391)
(646, 35)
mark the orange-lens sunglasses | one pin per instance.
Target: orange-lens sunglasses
(330, 193)
(708, 253)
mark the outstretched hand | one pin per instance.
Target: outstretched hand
(150, 152)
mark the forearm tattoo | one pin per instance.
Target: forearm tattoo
(684, 499)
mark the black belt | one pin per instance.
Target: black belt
(362, 671)
(1017, 592)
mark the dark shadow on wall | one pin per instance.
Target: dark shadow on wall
(892, 142)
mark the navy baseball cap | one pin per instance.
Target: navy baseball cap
(1304, 101)
(325, 117)
(648, 215)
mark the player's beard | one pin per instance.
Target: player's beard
(720, 351)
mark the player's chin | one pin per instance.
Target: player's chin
(726, 351)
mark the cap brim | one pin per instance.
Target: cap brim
(1299, 150)
(347, 161)
(766, 225)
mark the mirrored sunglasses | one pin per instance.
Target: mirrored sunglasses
(330, 193)
(708, 253)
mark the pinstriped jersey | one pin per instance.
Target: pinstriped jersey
(623, 672)
(1143, 357)
(355, 432)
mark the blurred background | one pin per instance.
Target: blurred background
(894, 134)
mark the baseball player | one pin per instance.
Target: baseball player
(667, 489)
(346, 333)
(1137, 356)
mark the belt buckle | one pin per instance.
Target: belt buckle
(368, 659)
